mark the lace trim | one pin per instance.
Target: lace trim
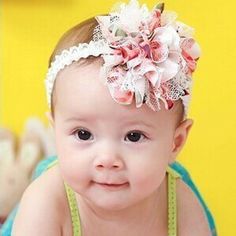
(66, 58)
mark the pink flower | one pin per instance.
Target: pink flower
(116, 76)
(122, 97)
(191, 53)
(147, 70)
(128, 52)
(170, 66)
(146, 56)
(155, 20)
(159, 52)
(115, 80)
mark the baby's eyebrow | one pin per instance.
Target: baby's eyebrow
(134, 123)
(139, 123)
(74, 119)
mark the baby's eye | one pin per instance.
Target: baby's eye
(134, 136)
(82, 134)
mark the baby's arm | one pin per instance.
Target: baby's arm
(38, 211)
(191, 216)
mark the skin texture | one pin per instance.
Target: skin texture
(109, 157)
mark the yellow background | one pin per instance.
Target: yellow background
(30, 29)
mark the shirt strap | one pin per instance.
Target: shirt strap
(172, 206)
(73, 210)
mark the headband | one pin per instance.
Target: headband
(148, 56)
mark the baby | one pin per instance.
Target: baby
(118, 87)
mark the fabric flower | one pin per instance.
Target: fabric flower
(149, 57)
(148, 51)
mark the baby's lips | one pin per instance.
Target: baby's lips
(112, 183)
(111, 180)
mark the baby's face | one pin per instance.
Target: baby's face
(111, 154)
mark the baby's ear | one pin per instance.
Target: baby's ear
(180, 137)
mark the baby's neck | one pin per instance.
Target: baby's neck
(146, 218)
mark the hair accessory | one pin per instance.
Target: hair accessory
(148, 56)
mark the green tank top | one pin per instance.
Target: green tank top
(172, 206)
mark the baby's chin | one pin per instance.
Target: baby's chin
(110, 202)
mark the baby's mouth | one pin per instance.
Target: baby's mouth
(112, 186)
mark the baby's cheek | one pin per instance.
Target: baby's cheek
(75, 172)
(149, 176)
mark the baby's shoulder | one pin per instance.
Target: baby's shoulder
(192, 219)
(47, 189)
(40, 205)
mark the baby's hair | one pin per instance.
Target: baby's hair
(83, 33)
(80, 33)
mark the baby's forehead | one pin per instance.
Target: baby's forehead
(83, 70)
(80, 91)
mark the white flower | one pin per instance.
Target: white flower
(168, 17)
(167, 35)
(183, 29)
(135, 13)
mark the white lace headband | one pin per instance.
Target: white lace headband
(150, 58)
(67, 57)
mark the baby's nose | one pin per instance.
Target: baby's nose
(108, 161)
